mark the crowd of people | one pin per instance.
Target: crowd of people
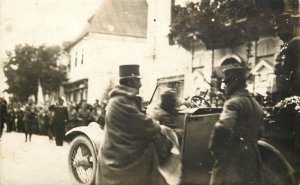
(30, 118)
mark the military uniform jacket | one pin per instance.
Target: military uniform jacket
(287, 68)
(234, 142)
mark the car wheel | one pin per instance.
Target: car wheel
(82, 161)
(276, 171)
(272, 178)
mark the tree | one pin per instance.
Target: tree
(223, 23)
(28, 64)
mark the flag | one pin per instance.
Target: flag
(40, 97)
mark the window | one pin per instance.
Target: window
(76, 59)
(82, 56)
(175, 82)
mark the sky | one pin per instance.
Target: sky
(37, 22)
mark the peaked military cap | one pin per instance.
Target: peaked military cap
(236, 73)
(129, 71)
(283, 20)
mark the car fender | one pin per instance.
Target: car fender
(267, 151)
(93, 132)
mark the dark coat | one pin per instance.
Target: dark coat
(60, 116)
(3, 114)
(127, 152)
(287, 69)
(159, 114)
(234, 142)
(59, 120)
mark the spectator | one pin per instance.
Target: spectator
(102, 112)
(84, 114)
(3, 115)
(19, 119)
(73, 121)
(10, 121)
(29, 118)
(48, 124)
(40, 120)
(96, 104)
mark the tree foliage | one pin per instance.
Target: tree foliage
(223, 22)
(28, 64)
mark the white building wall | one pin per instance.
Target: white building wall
(168, 60)
(104, 53)
(102, 56)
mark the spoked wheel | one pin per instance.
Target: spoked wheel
(82, 161)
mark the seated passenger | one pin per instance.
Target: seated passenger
(165, 111)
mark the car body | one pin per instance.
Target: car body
(197, 161)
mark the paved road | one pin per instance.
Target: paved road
(39, 162)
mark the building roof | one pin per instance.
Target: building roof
(121, 17)
(118, 17)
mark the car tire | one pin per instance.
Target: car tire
(273, 178)
(276, 169)
(82, 161)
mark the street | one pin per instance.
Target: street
(39, 162)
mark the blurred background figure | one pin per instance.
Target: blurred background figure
(165, 110)
(3, 114)
(48, 128)
(10, 120)
(102, 112)
(96, 104)
(19, 114)
(73, 121)
(59, 120)
(84, 114)
(287, 67)
(29, 118)
(40, 120)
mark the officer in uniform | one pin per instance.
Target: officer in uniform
(287, 67)
(59, 121)
(234, 139)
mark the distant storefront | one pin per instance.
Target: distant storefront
(76, 91)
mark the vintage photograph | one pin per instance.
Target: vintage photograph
(150, 92)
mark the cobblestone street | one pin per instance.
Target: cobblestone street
(39, 162)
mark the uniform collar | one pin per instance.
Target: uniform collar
(240, 92)
(123, 90)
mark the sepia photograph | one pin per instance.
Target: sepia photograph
(150, 92)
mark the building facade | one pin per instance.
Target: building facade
(136, 31)
(114, 35)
